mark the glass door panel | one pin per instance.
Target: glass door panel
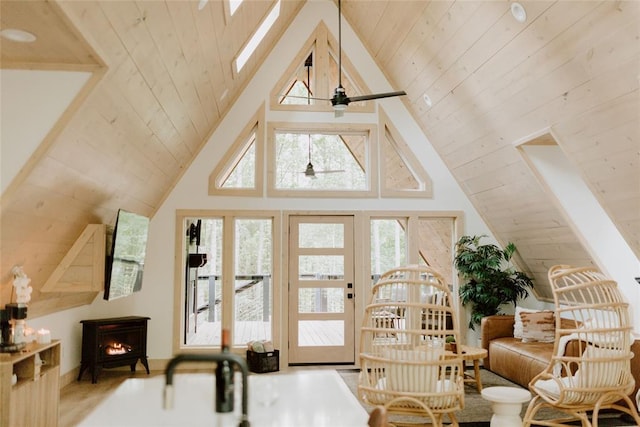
(388, 245)
(253, 285)
(321, 236)
(321, 267)
(320, 333)
(321, 300)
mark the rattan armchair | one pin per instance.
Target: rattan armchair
(600, 378)
(403, 364)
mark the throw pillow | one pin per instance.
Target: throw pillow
(420, 375)
(602, 367)
(539, 326)
(517, 326)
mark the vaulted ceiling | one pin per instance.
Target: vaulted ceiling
(163, 79)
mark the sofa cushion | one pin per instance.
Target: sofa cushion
(518, 361)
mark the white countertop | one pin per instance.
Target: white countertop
(302, 399)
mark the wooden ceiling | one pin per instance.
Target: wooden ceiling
(572, 68)
(164, 79)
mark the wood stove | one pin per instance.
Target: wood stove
(109, 343)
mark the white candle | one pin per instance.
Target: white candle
(29, 335)
(44, 336)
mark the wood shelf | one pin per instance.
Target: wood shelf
(34, 399)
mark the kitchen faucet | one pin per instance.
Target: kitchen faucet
(214, 357)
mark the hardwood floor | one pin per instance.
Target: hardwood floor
(79, 398)
(320, 332)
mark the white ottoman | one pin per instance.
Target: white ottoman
(506, 404)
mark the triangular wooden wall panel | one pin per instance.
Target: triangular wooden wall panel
(82, 268)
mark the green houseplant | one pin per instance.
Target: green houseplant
(491, 279)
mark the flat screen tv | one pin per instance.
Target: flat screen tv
(125, 255)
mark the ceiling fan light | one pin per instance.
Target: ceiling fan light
(518, 12)
(427, 100)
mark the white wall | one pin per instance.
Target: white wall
(32, 102)
(590, 222)
(192, 190)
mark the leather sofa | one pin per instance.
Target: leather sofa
(518, 361)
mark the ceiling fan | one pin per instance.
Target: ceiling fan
(340, 100)
(310, 172)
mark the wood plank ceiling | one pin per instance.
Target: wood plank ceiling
(571, 67)
(165, 80)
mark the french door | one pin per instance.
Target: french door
(321, 289)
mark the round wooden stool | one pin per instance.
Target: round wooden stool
(506, 404)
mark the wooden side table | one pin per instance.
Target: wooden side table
(474, 355)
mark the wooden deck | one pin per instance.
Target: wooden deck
(312, 333)
(209, 333)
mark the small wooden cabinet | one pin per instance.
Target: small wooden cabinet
(34, 399)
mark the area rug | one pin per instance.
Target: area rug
(477, 411)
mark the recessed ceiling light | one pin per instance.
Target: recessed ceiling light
(16, 35)
(518, 12)
(427, 100)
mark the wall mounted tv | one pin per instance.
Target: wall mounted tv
(126, 250)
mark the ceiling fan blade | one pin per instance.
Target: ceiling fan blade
(332, 171)
(376, 96)
(305, 97)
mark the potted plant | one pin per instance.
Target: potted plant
(491, 279)
(451, 344)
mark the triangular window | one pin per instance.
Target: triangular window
(243, 174)
(240, 172)
(401, 174)
(300, 91)
(314, 74)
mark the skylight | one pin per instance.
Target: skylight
(233, 6)
(257, 37)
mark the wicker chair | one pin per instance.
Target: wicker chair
(601, 377)
(403, 364)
